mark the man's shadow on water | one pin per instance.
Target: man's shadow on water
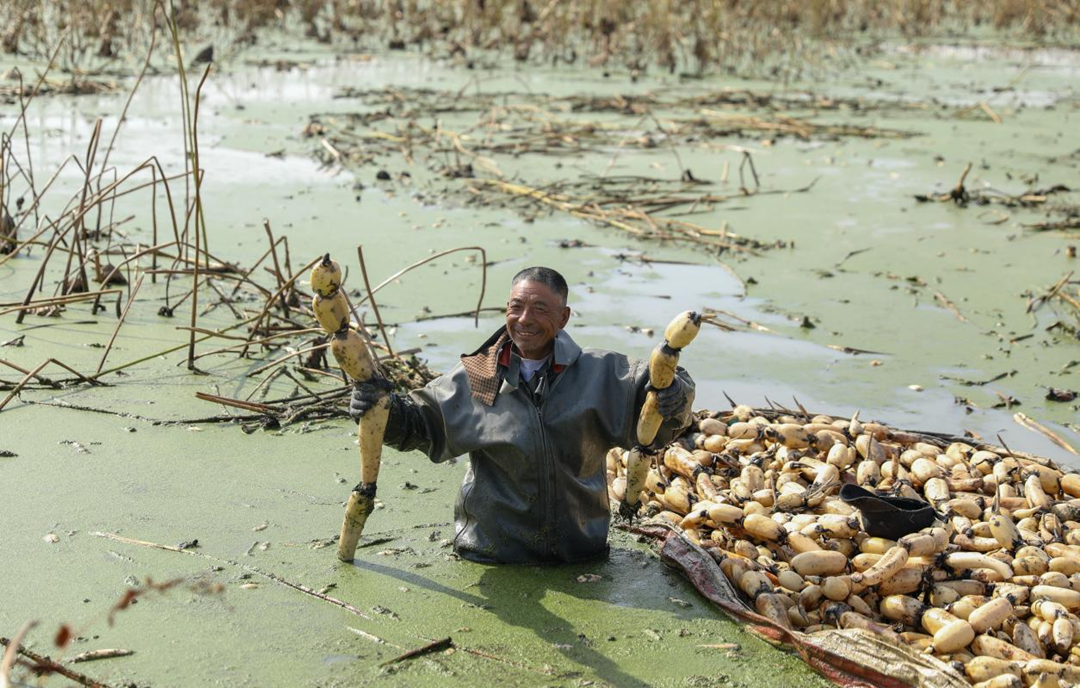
(514, 594)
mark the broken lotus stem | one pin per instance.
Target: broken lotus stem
(332, 312)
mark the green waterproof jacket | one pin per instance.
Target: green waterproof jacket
(535, 490)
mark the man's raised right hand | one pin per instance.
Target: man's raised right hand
(366, 394)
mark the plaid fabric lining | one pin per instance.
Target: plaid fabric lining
(482, 368)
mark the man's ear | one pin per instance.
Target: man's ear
(565, 317)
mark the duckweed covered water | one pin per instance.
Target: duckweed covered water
(862, 251)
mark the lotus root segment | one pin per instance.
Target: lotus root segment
(332, 312)
(326, 277)
(361, 504)
(662, 364)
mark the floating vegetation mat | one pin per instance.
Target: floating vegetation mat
(398, 102)
(396, 125)
(13, 89)
(747, 505)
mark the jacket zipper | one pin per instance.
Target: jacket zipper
(549, 470)
(545, 472)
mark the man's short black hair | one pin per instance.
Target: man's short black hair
(546, 276)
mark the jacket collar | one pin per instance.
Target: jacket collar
(566, 352)
(482, 365)
(488, 343)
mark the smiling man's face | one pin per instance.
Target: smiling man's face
(534, 315)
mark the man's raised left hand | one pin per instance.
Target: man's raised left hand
(671, 401)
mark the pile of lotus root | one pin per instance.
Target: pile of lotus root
(992, 586)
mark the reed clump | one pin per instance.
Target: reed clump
(697, 35)
(84, 257)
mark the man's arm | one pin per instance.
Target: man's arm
(406, 428)
(415, 421)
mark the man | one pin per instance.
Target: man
(536, 414)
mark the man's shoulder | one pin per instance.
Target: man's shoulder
(456, 372)
(455, 376)
(605, 358)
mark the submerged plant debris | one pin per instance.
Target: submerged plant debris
(510, 127)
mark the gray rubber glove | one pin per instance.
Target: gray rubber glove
(672, 399)
(365, 394)
(406, 428)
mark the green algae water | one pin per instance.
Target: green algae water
(862, 268)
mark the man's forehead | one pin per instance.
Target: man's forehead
(532, 290)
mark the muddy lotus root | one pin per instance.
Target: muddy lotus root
(332, 312)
